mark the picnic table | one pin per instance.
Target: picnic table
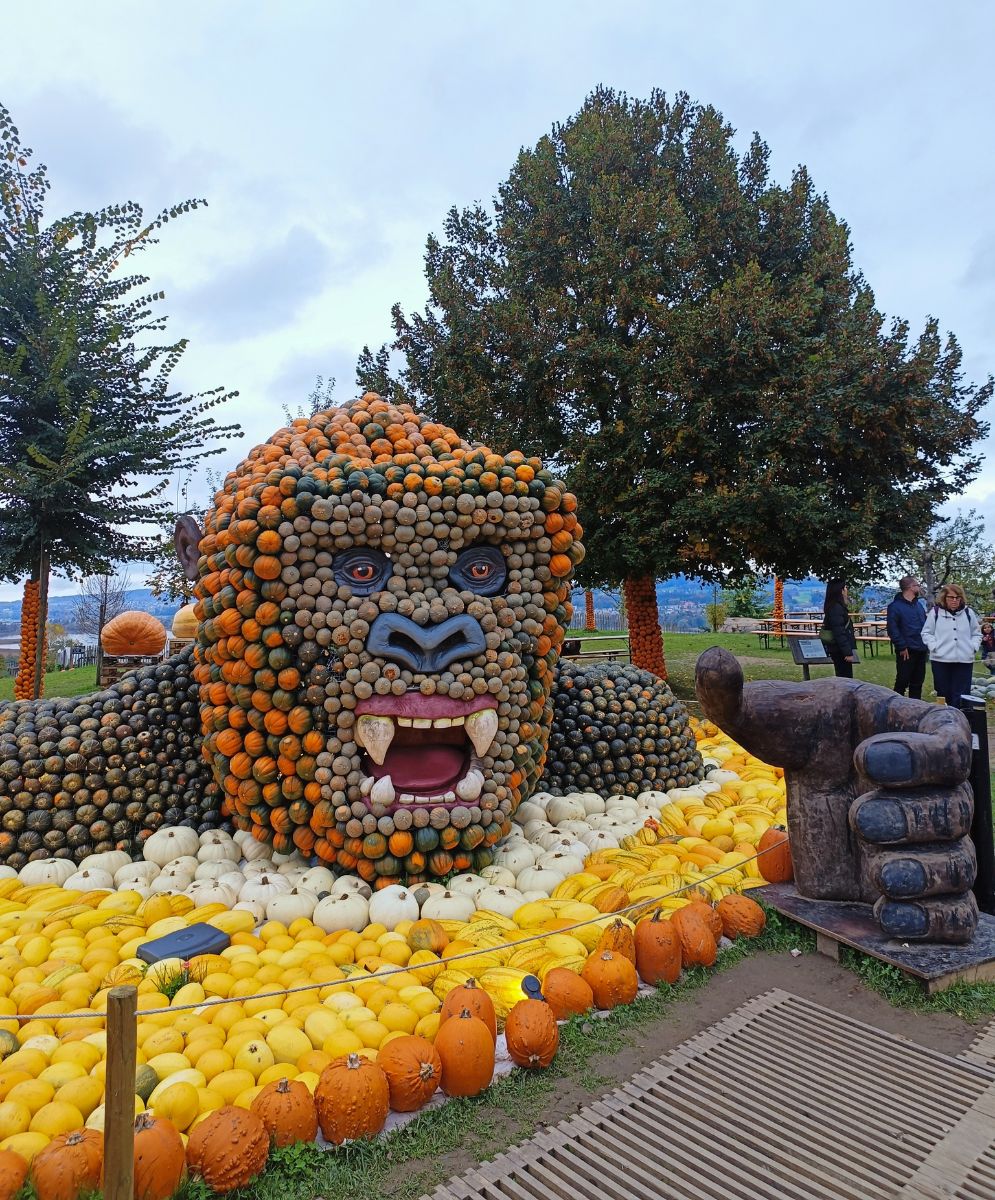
(870, 632)
(573, 647)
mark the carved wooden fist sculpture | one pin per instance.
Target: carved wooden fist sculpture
(879, 807)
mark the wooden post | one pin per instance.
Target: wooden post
(119, 1113)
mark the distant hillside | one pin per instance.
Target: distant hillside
(61, 608)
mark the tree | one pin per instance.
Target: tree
(955, 549)
(90, 426)
(749, 599)
(102, 598)
(692, 345)
(320, 398)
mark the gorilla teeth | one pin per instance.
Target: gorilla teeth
(470, 786)
(376, 735)
(383, 791)
(481, 727)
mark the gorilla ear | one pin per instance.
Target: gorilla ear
(186, 538)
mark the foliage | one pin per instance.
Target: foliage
(749, 599)
(955, 549)
(320, 398)
(102, 598)
(715, 614)
(90, 425)
(691, 342)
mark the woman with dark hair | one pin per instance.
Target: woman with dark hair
(837, 628)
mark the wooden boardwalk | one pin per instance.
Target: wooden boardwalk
(782, 1100)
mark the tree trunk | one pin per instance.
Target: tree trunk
(590, 626)
(778, 613)
(41, 642)
(24, 682)
(645, 637)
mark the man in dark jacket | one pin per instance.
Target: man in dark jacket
(906, 617)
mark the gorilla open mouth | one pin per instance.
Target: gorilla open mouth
(423, 749)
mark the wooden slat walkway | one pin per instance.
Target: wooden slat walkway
(782, 1100)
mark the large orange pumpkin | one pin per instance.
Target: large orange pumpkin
(466, 1050)
(132, 633)
(658, 951)
(532, 1034)
(566, 993)
(288, 1111)
(618, 938)
(228, 1148)
(775, 855)
(69, 1165)
(13, 1172)
(612, 978)
(471, 996)
(740, 916)
(708, 915)
(413, 1069)
(698, 948)
(353, 1099)
(160, 1158)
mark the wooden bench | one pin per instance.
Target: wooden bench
(573, 648)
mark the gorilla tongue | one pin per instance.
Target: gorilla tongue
(424, 760)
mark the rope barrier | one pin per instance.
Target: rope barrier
(349, 980)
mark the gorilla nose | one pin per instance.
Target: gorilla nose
(425, 648)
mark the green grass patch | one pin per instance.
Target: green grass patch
(76, 682)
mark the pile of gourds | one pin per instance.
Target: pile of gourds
(645, 638)
(24, 681)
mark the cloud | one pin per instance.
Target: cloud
(981, 267)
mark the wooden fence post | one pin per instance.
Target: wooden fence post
(119, 1112)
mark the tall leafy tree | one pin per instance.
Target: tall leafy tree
(91, 427)
(955, 549)
(691, 343)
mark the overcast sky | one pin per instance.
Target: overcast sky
(329, 139)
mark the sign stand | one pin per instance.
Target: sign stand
(808, 652)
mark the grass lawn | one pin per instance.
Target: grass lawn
(76, 682)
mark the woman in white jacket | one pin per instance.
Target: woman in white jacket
(952, 634)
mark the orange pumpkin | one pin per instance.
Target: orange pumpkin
(611, 900)
(708, 915)
(70, 1164)
(428, 935)
(133, 632)
(566, 993)
(413, 1069)
(532, 1034)
(228, 1148)
(352, 1098)
(658, 951)
(775, 855)
(13, 1172)
(740, 916)
(288, 1111)
(618, 938)
(471, 996)
(698, 948)
(160, 1158)
(466, 1051)
(612, 978)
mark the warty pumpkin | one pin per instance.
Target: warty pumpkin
(70, 1164)
(352, 1098)
(288, 1111)
(132, 633)
(612, 978)
(566, 993)
(413, 1069)
(775, 855)
(698, 948)
(13, 1172)
(618, 938)
(658, 950)
(466, 1051)
(740, 916)
(708, 915)
(160, 1158)
(228, 1148)
(471, 996)
(532, 1034)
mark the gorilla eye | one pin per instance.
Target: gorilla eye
(480, 569)
(362, 570)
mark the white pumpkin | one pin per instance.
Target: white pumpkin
(541, 799)
(450, 906)
(292, 905)
(233, 879)
(7, 873)
(553, 840)
(534, 895)
(534, 829)
(425, 890)
(534, 879)
(280, 859)
(503, 901)
(599, 839)
(468, 884)
(658, 799)
(90, 881)
(257, 910)
(186, 864)
(239, 836)
(717, 775)
(48, 870)
(259, 866)
(353, 883)
(528, 810)
(561, 864)
(166, 844)
(565, 808)
(144, 871)
(109, 860)
(292, 870)
(498, 876)
(264, 887)
(218, 848)
(393, 904)
(593, 803)
(342, 910)
(515, 858)
(574, 827)
(317, 879)
(213, 869)
(206, 891)
(253, 851)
